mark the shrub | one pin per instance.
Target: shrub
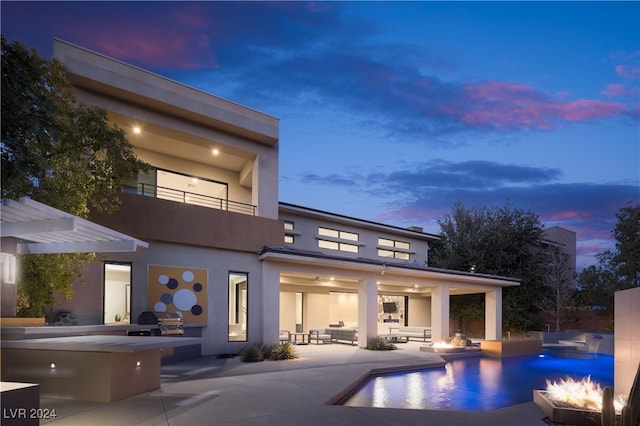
(283, 351)
(252, 353)
(266, 350)
(380, 344)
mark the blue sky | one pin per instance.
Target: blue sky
(393, 111)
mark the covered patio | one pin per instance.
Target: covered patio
(297, 269)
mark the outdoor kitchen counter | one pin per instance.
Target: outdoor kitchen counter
(103, 368)
(101, 343)
(11, 333)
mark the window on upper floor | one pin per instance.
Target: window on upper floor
(184, 188)
(394, 249)
(289, 237)
(334, 239)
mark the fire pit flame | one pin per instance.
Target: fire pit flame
(584, 394)
(443, 345)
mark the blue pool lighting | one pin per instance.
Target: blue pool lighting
(479, 384)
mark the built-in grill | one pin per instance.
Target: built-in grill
(170, 323)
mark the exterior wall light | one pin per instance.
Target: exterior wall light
(52, 365)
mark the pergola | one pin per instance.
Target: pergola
(39, 228)
(30, 227)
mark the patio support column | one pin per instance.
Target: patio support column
(493, 315)
(270, 304)
(367, 311)
(439, 313)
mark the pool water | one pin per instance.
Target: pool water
(479, 384)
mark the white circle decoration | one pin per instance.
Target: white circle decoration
(187, 276)
(163, 279)
(160, 307)
(184, 299)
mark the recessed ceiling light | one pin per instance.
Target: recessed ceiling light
(215, 151)
(136, 130)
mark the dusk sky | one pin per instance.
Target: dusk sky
(392, 111)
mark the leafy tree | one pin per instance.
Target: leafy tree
(497, 241)
(60, 152)
(597, 284)
(616, 270)
(626, 259)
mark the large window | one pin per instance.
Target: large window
(394, 249)
(181, 188)
(238, 289)
(117, 292)
(334, 239)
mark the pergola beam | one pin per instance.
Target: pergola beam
(78, 247)
(30, 227)
(42, 229)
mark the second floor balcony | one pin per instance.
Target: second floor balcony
(187, 197)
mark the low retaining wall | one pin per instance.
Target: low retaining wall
(511, 347)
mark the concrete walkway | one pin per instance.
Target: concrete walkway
(210, 391)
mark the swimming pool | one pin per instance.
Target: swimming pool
(479, 384)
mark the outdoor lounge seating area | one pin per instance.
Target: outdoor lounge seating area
(331, 335)
(349, 335)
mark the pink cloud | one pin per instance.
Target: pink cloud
(157, 50)
(614, 90)
(508, 105)
(173, 38)
(630, 73)
(568, 215)
(193, 16)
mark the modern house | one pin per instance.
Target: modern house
(223, 252)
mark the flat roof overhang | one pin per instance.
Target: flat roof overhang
(110, 77)
(390, 275)
(40, 229)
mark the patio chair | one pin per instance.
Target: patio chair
(285, 336)
(319, 335)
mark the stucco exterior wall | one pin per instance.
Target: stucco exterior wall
(627, 339)
(419, 314)
(306, 237)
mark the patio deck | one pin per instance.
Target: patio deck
(210, 391)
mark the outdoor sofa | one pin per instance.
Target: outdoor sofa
(331, 335)
(346, 335)
(416, 333)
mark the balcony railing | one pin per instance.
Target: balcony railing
(179, 196)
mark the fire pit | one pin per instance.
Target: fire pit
(442, 347)
(574, 402)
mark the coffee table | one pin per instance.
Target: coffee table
(304, 338)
